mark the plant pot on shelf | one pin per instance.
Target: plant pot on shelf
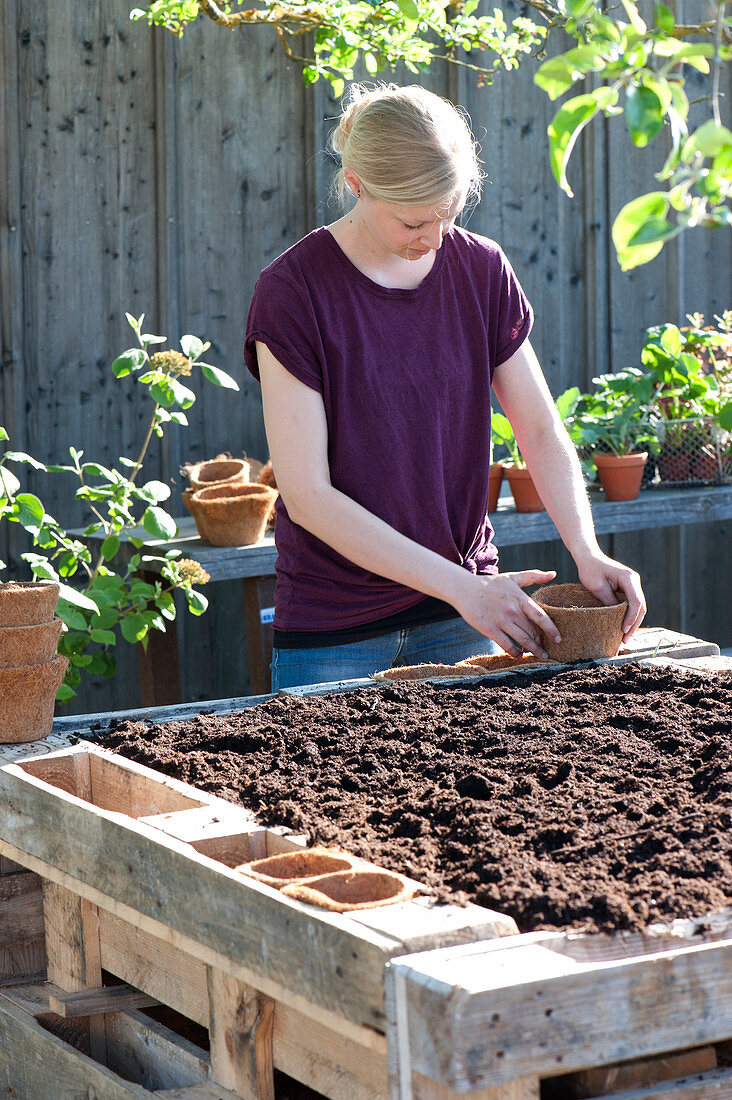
(188, 495)
(222, 470)
(621, 475)
(495, 478)
(27, 699)
(589, 629)
(674, 467)
(233, 515)
(29, 645)
(523, 489)
(27, 603)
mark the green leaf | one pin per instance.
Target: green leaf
(9, 484)
(73, 618)
(643, 115)
(191, 346)
(664, 19)
(184, 397)
(566, 126)
(110, 546)
(409, 10)
(3, 434)
(148, 338)
(159, 524)
(129, 361)
(135, 323)
(218, 377)
(20, 456)
(97, 470)
(197, 603)
(724, 417)
(178, 418)
(166, 605)
(30, 510)
(628, 224)
(78, 599)
(372, 65)
(555, 76)
(709, 140)
(65, 693)
(104, 637)
(134, 628)
(154, 491)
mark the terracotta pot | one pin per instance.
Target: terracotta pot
(706, 465)
(222, 470)
(29, 645)
(674, 467)
(301, 866)
(233, 515)
(346, 890)
(589, 629)
(524, 491)
(495, 477)
(621, 475)
(27, 603)
(27, 697)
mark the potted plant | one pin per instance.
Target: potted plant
(495, 480)
(520, 481)
(612, 425)
(691, 370)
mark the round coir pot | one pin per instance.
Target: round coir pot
(27, 603)
(28, 698)
(29, 645)
(588, 628)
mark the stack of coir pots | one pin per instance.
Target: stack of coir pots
(229, 508)
(31, 671)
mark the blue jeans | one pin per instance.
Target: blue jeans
(442, 643)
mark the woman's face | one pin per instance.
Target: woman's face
(409, 232)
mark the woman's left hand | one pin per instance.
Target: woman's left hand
(605, 577)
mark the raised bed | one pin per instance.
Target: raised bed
(137, 883)
(135, 871)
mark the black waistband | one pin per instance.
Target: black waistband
(428, 610)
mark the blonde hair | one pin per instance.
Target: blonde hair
(407, 146)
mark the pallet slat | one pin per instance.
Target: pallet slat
(488, 1014)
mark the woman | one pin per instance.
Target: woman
(377, 341)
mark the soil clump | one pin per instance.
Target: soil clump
(594, 799)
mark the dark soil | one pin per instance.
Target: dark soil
(596, 798)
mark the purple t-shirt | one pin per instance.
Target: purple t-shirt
(405, 377)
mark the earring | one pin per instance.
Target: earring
(358, 193)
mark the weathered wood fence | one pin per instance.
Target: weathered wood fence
(142, 173)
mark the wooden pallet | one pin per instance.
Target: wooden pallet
(486, 1017)
(137, 883)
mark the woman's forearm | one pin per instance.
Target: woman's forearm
(557, 474)
(369, 542)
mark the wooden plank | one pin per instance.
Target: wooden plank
(198, 1092)
(148, 962)
(201, 823)
(422, 1088)
(105, 999)
(326, 1060)
(653, 508)
(134, 790)
(35, 1063)
(641, 1074)
(241, 1036)
(147, 1052)
(715, 1085)
(21, 909)
(166, 887)
(478, 1016)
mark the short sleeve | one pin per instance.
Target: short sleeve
(281, 316)
(515, 315)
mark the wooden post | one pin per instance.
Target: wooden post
(159, 664)
(240, 1028)
(72, 946)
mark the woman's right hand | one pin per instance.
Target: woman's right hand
(498, 607)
